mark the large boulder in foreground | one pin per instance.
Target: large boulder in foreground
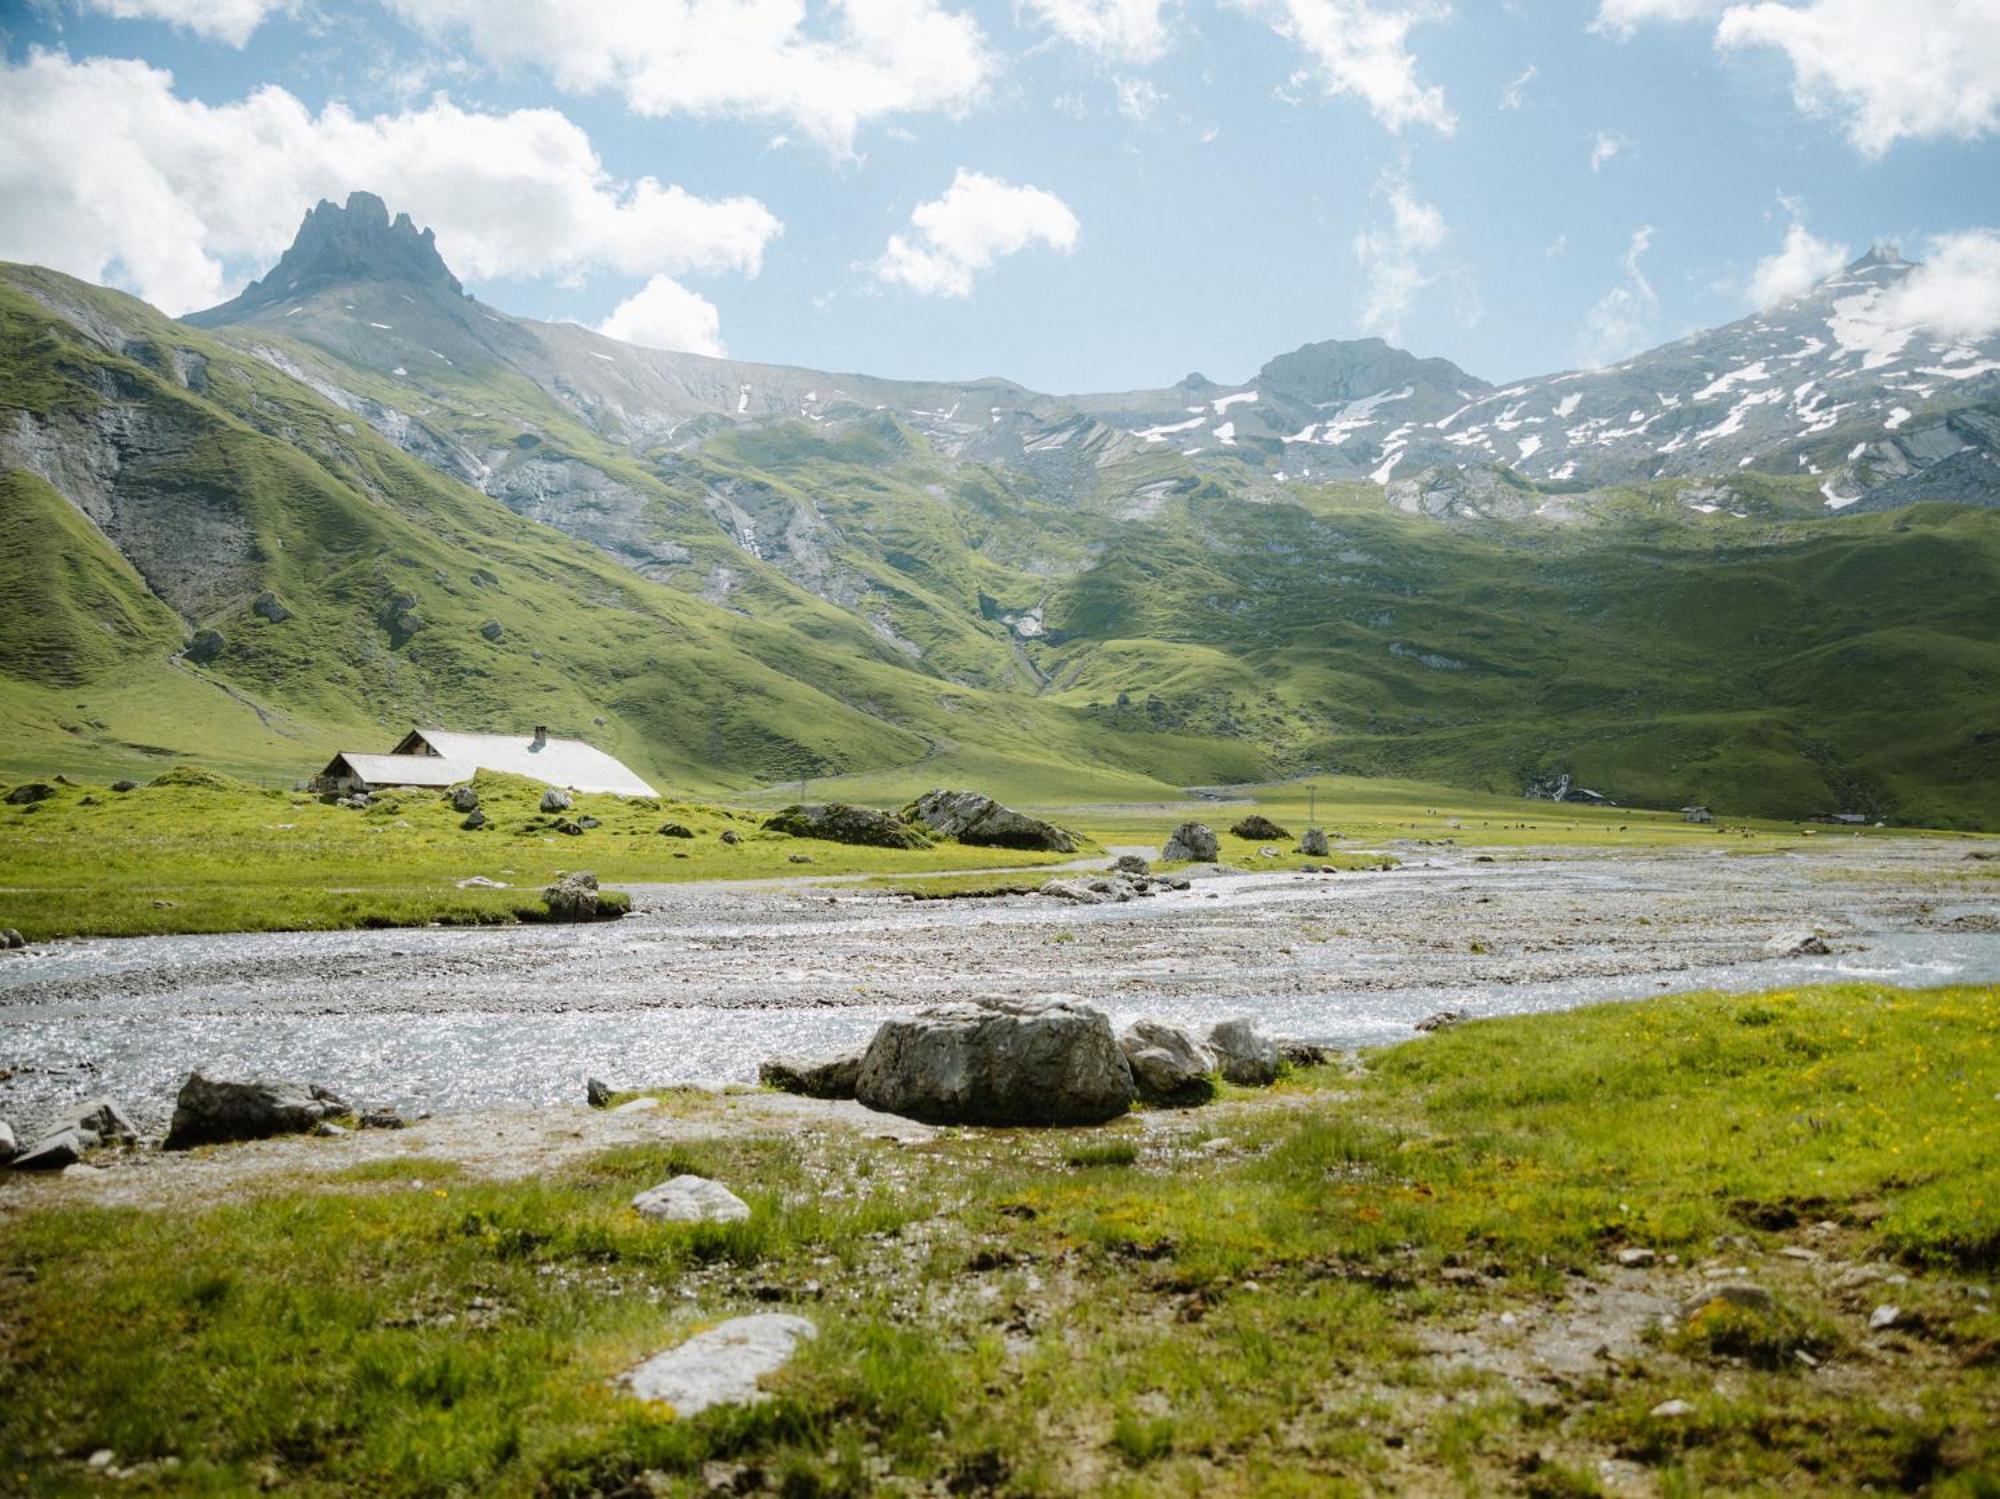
(211, 1110)
(840, 823)
(1246, 1056)
(1191, 843)
(836, 1077)
(1168, 1065)
(979, 820)
(1003, 1062)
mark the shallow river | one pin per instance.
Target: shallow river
(704, 980)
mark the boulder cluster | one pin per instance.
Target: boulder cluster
(207, 1111)
(952, 816)
(1036, 1062)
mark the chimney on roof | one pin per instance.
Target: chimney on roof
(541, 737)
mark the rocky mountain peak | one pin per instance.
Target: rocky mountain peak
(358, 242)
(355, 241)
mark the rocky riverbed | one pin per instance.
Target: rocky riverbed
(705, 979)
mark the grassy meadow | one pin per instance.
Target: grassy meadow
(195, 851)
(1352, 1283)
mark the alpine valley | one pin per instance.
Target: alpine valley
(1757, 568)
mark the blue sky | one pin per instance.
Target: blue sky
(1143, 188)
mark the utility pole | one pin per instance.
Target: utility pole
(1312, 805)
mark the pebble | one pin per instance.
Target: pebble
(1635, 1259)
(1669, 1410)
(102, 1457)
(1884, 1317)
(637, 1106)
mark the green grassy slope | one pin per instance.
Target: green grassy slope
(1195, 633)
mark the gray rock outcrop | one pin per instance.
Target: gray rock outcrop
(53, 1152)
(840, 823)
(464, 799)
(1169, 1066)
(969, 817)
(1313, 843)
(1191, 843)
(573, 897)
(29, 792)
(12, 940)
(555, 799)
(1245, 1055)
(1133, 864)
(209, 1110)
(721, 1366)
(1004, 1062)
(690, 1199)
(835, 1077)
(9, 1146)
(268, 608)
(1259, 829)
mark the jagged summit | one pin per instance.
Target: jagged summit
(336, 243)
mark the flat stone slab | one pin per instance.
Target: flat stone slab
(691, 1199)
(721, 1366)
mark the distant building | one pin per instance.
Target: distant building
(1697, 814)
(1843, 819)
(436, 758)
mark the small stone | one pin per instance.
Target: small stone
(474, 821)
(464, 799)
(1313, 844)
(555, 799)
(597, 1092)
(801, 858)
(721, 1366)
(1672, 1410)
(676, 830)
(12, 940)
(835, 1077)
(1636, 1258)
(731, 836)
(380, 1119)
(9, 1146)
(1798, 1252)
(103, 1457)
(690, 1199)
(1884, 1317)
(637, 1106)
(327, 1131)
(1736, 1293)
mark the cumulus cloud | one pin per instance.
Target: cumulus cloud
(111, 175)
(1133, 32)
(1361, 47)
(1623, 17)
(1605, 148)
(663, 314)
(230, 21)
(827, 68)
(1892, 69)
(1621, 324)
(1889, 70)
(1955, 292)
(977, 221)
(1800, 264)
(1397, 258)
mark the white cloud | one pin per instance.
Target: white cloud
(977, 221)
(1622, 17)
(663, 314)
(110, 175)
(1126, 31)
(1510, 97)
(1605, 148)
(1361, 47)
(1894, 69)
(1397, 259)
(1621, 324)
(828, 69)
(1890, 70)
(230, 21)
(1804, 261)
(1955, 292)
